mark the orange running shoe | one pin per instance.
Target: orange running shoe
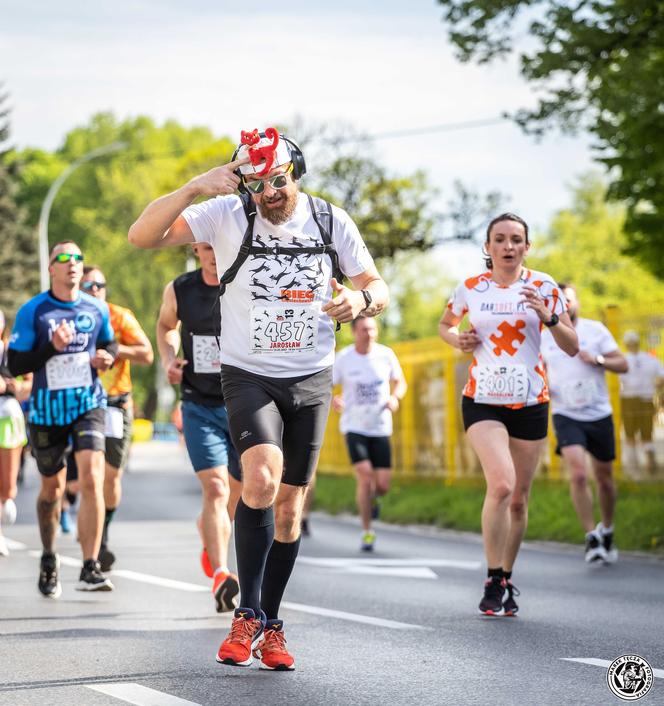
(246, 631)
(205, 564)
(225, 590)
(272, 650)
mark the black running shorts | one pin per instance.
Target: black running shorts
(117, 450)
(528, 423)
(375, 449)
(596, 437)
(51, 444)
(290, 413)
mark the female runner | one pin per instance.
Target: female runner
(505, 401)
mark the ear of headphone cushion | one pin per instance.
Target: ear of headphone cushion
(299, 165)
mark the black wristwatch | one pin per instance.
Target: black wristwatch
(552, 321)
(367, 299)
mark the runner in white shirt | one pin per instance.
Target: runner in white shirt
(639, 386)
(372, 386)
(583, 421)
(505, 402)
(277, 350)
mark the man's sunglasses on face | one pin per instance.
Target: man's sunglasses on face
(91, 284)
(257, 186)
(67, 257)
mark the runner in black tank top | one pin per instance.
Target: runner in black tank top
(191, 301)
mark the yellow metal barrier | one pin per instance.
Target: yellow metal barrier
(428, 435)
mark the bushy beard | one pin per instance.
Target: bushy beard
(279, 216)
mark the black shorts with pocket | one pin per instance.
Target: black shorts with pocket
(596, 437)
(375, 449)
(290, 413)
(51, 444)
(528, 423)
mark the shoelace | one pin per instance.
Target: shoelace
(242, 630)
(275, 641)
(494, 589)
(512, 589)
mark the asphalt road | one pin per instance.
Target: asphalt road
(400, 627)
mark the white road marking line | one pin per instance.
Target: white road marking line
(410, 572)
(301, 607)
(158, 581)
(13, 545)
(139, 695)
(335, 562)
(353, 617)
(659, 673)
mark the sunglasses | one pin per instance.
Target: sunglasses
(276, 182)
(90, 284)
(67, 257)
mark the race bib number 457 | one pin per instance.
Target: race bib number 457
(288, 328)
(501, 384)
(69, 370)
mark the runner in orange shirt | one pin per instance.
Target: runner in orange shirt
(505, 401)
(134, 347)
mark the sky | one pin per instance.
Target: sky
(234, 66)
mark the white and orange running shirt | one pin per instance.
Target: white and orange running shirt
(507, 368)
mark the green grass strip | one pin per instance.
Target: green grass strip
(639, 518)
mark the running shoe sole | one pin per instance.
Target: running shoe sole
(90, 587)
(225, 594)
(611, 556)
(56, 594)
(279, 668)
(493, 614)
(595, 556)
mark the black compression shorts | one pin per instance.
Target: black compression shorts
(375, 449)
(529, 423)
(596, 437)
(290, 413)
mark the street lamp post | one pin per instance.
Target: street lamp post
(50, 197)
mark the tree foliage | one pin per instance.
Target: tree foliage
(584, 247)
(18, 242)
(597, 66)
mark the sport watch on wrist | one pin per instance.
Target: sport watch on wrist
(367, 299)
(552, 321)
(600, 359)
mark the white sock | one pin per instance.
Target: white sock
(221, 570)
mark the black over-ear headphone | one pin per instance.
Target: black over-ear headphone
(295, 153)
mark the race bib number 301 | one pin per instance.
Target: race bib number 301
(501, 384)
(69, 370)
(285, 328)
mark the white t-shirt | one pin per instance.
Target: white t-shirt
(578, 389)
(365, 381)
(641, 378)
(271, 318)
(507, 368)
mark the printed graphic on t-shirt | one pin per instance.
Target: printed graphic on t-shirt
(285, 290)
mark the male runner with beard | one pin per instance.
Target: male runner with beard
(277, 350)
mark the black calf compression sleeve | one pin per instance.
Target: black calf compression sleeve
(254, 533)
(278, 568)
